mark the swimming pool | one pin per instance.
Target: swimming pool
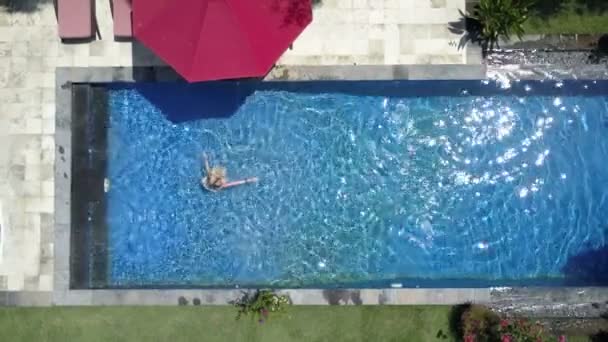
(362, 184)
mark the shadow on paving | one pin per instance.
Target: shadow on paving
(600, 53)
(470, 31)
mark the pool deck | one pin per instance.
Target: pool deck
(378, 36)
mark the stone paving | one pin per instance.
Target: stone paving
(30, 51)
(380, 32)
(343, 32)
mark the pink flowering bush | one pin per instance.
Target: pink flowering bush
(522, 330)
(480, 324)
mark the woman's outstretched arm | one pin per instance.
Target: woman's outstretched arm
(240, 182)
(207, 168)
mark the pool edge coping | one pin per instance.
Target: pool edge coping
(508, 297)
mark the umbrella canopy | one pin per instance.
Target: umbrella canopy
(220, 39)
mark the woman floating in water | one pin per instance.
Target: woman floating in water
(216, 178)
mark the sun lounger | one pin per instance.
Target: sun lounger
(75, 19)
(121, 11)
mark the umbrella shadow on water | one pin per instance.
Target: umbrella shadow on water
(181, 101)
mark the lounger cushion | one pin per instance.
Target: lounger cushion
(122, 18)
(75, 18)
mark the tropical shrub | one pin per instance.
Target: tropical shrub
(480, 324)
(501, 19)
(261, 304)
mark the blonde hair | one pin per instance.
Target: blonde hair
(217, 172)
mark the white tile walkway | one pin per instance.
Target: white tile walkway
(380, 32)
(343, 32)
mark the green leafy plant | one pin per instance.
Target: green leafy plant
(261, 304)
(501, 19)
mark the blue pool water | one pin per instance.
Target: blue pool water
(357, 185)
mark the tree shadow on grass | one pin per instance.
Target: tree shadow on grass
(546, 8)
(243, 301)
(26, 6)
(455, 320)
(596, 6)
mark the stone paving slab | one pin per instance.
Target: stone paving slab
(378, 72)
(532, 302)
(25, 298)
(364, 32)
(297, 296)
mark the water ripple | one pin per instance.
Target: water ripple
(357, 188)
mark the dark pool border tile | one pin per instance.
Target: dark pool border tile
(88, 227)
(546, 300)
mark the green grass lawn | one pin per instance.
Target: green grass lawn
(567, 16)
(568, 23)
(173, 324)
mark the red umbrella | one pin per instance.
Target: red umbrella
(220, 39)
